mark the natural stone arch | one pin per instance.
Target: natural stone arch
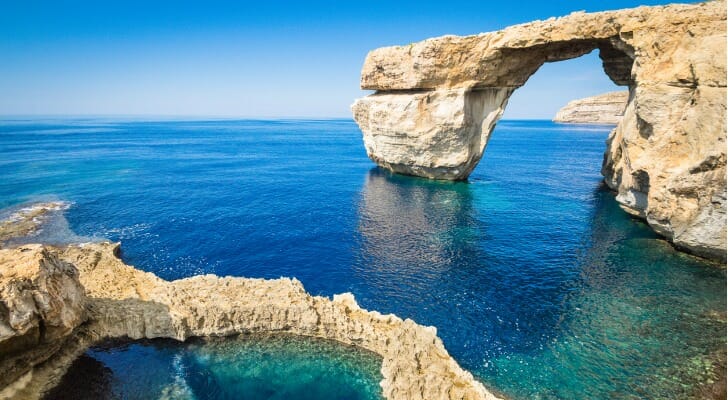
(448, 126)
(437, 102)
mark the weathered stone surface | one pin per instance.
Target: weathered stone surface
(41, 302)
(666, 158)
(510, 56)
(668, 165)
(606, 108)
(436, 134)
(126, 302)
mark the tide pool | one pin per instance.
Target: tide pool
(254, 367)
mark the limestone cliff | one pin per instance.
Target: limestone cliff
(437, 102)
(607, 108)
(122, 301)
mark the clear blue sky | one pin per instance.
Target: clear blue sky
(261, 59)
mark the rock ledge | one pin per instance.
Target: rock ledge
(123, 302)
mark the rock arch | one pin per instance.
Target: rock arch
(437, 102)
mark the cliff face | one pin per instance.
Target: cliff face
(607, 108)
(437, 101)
(121, 301)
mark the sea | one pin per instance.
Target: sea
(537, 282)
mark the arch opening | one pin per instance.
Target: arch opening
(557, 83)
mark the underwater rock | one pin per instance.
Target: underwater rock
(27, 221)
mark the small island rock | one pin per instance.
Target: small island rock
(607, 108)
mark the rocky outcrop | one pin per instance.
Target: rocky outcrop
(437, 102)
(125, 302)
(607, 108)
(41, 303)
(27, 221)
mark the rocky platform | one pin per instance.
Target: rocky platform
(56, 302)
(438, 100)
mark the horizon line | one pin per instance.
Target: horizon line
(192, 117)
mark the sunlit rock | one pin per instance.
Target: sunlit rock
(123, 302)
(438, 134)
(41, 303)
(437, 101)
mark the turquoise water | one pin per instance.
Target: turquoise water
(537, 282)
(255, 368)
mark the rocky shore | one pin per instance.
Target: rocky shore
(58, 301)
(606, 108)
(28, 221)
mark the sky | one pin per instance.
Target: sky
(248, 59)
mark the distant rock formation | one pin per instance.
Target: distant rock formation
(607, 108)
(48, 320)
(437, 102)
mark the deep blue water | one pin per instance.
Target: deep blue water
(537, 282)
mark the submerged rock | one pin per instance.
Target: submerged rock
(122, 301)
(28, 220)
(606, 108)
(437, 102)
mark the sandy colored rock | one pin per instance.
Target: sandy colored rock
(606, 108)
(125, 302)
(41, 303)
(438, 134)
(508, 57)
(666, 159)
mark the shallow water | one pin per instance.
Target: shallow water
(536, 280)
(258, 367)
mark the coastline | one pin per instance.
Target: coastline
(123, 302)
(378, 192)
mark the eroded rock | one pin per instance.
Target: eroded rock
(125, 302)
(666, 158)
(41, 303)
(439, 134)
